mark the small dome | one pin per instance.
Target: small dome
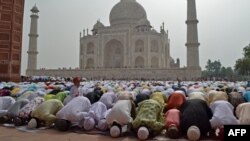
(98, 25)
(171, 60)
(143, 22)
(153, 30)
(34, 9)
(126, 12)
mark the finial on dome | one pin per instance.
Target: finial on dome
(98, 25)
(34, 9)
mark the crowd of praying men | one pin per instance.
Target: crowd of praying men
(146, 109)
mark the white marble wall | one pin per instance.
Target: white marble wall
(130, 74)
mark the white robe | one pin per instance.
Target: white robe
(5, 103)
(120, 113)
(108, 99)
(97, 111)
(74, 91)
(243, 113)
(75, 110)
(222, 114)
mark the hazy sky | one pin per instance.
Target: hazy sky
(224, 28)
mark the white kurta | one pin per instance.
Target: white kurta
(17, 106)
(120, 113)
(243, 113)
(97, 111)
(75, 110)
(108, 99)
(222, 114)
(5, 103)
(74, 91)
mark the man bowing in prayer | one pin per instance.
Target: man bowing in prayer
(73, 113)
(44, 115)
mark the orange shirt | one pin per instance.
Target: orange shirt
(175, 101)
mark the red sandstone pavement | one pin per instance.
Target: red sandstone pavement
(12, 134)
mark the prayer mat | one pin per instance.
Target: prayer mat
(80, 130)
(9, 125)
(26, 129)
(164, 138)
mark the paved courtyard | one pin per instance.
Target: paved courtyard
(12, 134)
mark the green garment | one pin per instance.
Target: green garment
(47, 110)
(61, 96)
(49, 96)
(150, 115)
(159, 97)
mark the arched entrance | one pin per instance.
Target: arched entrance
(154, 62)
(113, 54)
(139, 62)
(90, 63)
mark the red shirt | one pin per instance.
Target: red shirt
(172, 116)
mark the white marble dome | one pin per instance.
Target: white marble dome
(127, 12)
(98, 25)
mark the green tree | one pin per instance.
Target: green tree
(226, 72)
(246, 51)
(242, 66)
(213, 68)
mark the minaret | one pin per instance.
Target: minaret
(32, 52)
(192, 36)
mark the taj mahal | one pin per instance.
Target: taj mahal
(129, 48)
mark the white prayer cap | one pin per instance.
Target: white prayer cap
(247, 89)
(193, 133)
(102, 125)
(89, 123)
(159, 88)
(68, 84)
(133, 93)
(197, 92)
(204, 84)
(128, 89)
(32, 123)
(41, 93)
(1, 86)
(241, 90)
(146, 91)
(168, 92)
(115, 131)
(89, 90)
(153, 89)
(143, 133)
(167, 85)
(62, 87)
(110, 89)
